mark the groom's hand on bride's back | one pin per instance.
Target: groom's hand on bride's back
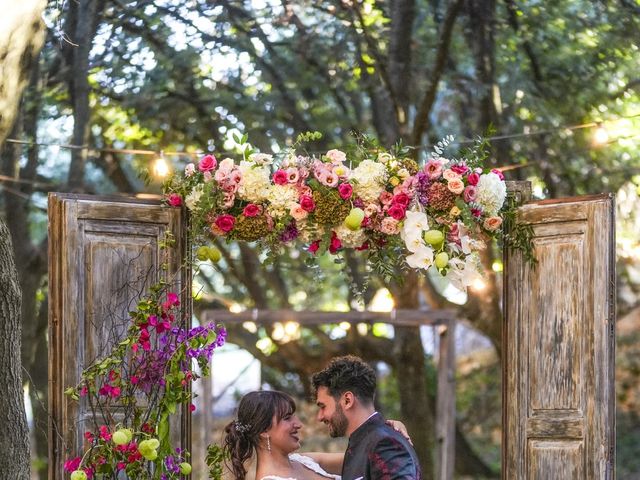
(400, 427)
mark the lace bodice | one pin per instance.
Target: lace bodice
(307, 462)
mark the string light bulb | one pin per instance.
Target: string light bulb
(601, 135)
(160, 166)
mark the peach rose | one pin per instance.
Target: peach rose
(492, 223)
(450, 175)
(456, 186)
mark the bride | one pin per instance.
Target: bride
(267, 425)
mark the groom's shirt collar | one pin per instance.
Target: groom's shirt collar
(375, 417)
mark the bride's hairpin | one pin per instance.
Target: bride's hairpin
(241, 427)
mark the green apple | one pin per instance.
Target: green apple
(119, 437)
(152, 455)
(185, 468)
(442, 259)
(354, 219)
(78, 475)
(433, 237)
(202, 253)
(128, 432)
(214, 254)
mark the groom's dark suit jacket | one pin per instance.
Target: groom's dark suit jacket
(377, 452)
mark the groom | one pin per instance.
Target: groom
(344, 395)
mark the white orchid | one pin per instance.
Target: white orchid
(421, 258)
(462, 273)
(415, 223)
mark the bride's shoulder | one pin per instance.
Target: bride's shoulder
(311, 464)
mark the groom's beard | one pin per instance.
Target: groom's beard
(338, 423)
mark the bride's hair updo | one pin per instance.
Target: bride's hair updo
(255, 414)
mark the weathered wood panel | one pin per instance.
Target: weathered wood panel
(104, 254)
(558, 337)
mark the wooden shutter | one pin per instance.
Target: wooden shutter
(103, 254)
(559, 334)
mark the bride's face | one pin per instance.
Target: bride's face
(284, 435)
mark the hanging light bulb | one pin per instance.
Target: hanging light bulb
(601, 135)
(160, 166)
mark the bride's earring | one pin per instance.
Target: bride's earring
(268, 443)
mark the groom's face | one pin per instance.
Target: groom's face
(330, 413)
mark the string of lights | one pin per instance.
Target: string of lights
(601, 137)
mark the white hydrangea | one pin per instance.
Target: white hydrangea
(256, 182)
(368, 178)
(350, 238)
(194, 197)
(491, 193)
(280, 198)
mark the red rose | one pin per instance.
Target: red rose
(396, 211)
(335, 244)
(207, 163)
(499, 173)
(345, 190)
(174, 200)
(401, 199)
(307, 203)
(280, 177)
(364, 246)
(473, 179)
(460, 169)
(252, 210)
(225, 223)
(476, 212)
(313, 248)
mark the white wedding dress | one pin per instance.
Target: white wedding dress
(307, 462)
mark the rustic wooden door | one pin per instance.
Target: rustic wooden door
(103, 254)
(558, 339)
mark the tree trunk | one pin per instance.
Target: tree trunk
(21, 38)
(14, 433)
(79, 89)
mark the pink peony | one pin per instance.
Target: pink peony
(252, 210)
(225, 222)
(345, 190)
(473, 179)
(469, 194)
(280, 177)
(307, 203)
(207, 163)
(174, 200)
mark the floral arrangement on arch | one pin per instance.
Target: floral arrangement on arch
(145, 378)
(374, 200)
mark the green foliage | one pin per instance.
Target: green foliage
(215, 460)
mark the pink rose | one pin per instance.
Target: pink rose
(456, 186)
(386, 198)
(235, 176)
(175, 200)
(401, 199)
(469, 194)
(307, 203)
(313, 248)
(499, 173)
(225, 222)
(389, 226)
(252, 210)
(280, 177)
(298, 213)
(207, 163)
(371, 209)
(336, 156)
(304, 190)
(396, 211)
(345, 190)
(460, 169)
(473, 179)
(492, 223)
